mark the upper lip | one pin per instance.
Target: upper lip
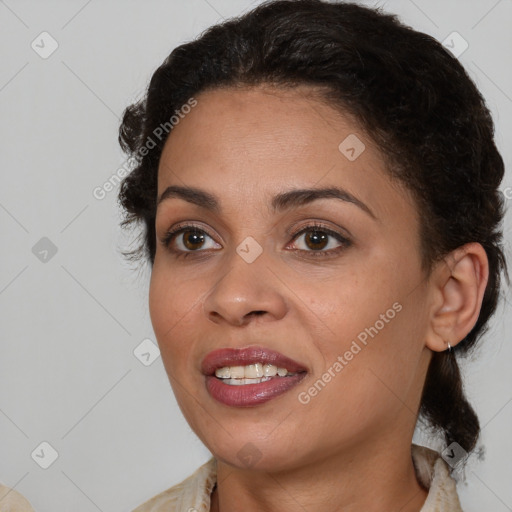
(245, 356)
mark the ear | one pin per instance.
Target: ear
(457, 284)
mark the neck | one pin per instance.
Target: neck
(383, 478)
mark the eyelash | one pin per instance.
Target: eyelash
(174, 232)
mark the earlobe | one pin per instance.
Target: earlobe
(459, 283)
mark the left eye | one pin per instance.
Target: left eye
(316, 239)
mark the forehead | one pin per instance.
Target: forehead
(241, 141)
(260, 127)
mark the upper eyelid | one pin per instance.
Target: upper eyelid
(308, 221)
(312, 224)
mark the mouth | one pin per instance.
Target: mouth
(250, 376)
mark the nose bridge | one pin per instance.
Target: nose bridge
(247, 286)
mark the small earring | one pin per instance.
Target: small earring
(449, 347)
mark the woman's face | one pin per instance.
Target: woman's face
(332, 281)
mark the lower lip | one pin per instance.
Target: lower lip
(247, 395)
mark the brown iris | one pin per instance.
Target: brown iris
(193, 239)
(316, 239)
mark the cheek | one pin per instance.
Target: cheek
(381, 349)
(365, 386)
(172, 306)
(354, 300)
(371, 319)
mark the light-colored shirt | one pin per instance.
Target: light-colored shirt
(12, 501)
(193, 494)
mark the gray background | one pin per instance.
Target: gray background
(70, 321)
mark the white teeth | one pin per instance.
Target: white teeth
(241, 382)
(235, 382)
(237, 372)
(223, 373)
(253, 371)
(250, 374)
(269, 370)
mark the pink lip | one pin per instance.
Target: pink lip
(250, 394)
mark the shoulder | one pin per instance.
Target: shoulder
(435, 475)
(192, 493)
(13, 501)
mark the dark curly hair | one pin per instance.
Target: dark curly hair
(409, 94)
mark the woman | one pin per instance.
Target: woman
(323, 227)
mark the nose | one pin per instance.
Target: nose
(244, 292)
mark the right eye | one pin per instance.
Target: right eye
(183, 240)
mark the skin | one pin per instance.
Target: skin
(348, 448)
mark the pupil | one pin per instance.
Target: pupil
(316, 237)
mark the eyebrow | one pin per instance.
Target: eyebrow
(280, 202)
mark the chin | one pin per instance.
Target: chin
(262, 447)
(251, 456)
